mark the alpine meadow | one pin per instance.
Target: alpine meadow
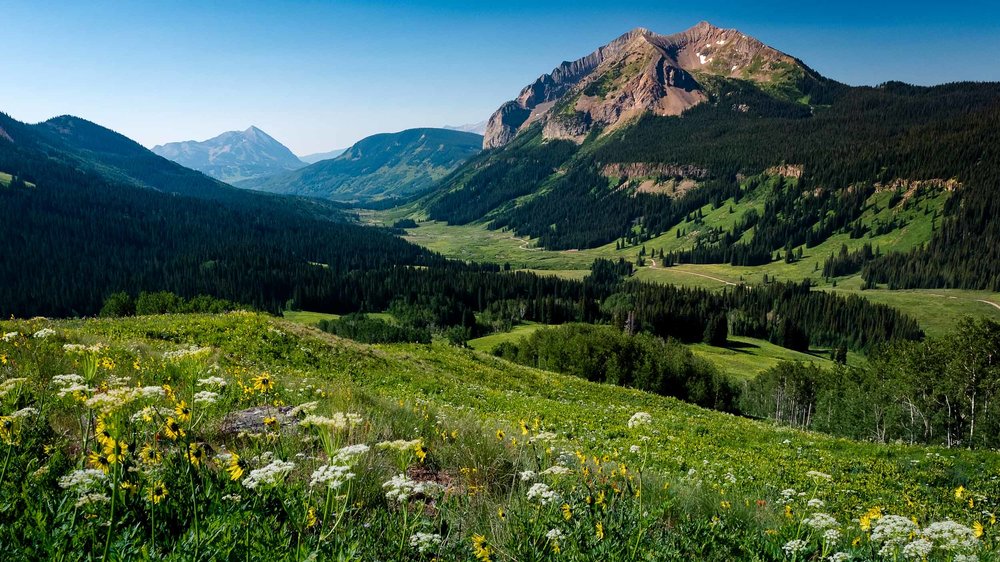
(685, 297)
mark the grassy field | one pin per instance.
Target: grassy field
(5, 180)
(313, 318)
(487, 343)
(676, 482)
(745, 358)
(937, 311)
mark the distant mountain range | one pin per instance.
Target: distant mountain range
(233, 156)
(478, 128)
(388, 165)
(313, 158)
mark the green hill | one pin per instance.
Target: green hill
(225, 460)
(388, 165)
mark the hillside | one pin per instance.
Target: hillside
(609, 150)
(445, 420)
(313, 158)
(233, 156)
(92, 213)
(383, 166)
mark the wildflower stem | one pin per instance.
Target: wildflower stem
(6, 460)
(194, 507)
(111, 520)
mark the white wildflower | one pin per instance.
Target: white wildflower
(892, 531)
(87, 499)
(44, 333)
(794, 547)
(918, 549)
(273, 473)
(401, 488)
(820, 521)
(214, 382)
(831, 536)
(635, 449)
(816, 503)
(556, 471)
(348, 454)
(25, 412)
(184, 352)
(306, 407)
(543, 436)
(84, 479)
(542, 493)
(639, 419)
(9, 336)
(527, 475)
(336, 422)
(838, 557)
(331, 476)
(817, 475)
(951, 536)
(74, 347)
(67, 380)
(206, 397)
(425, 542)
(399, 444)
(554, 535)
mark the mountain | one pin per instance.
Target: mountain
(631, 143)
(233, 156)
(313, 158)
(637, 73)
(387, 165)
(478, 128)
(87, 212)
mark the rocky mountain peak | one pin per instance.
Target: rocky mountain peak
(639, 71)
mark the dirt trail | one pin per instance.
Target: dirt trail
(652, 265)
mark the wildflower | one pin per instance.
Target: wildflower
(311, 518)
(599, 531)
(235, 467)
(480, 549)
(831, 536)
(501, 513)
(196, 454)
(725, 504)
(527, 475)
(332, 476)
(87, 499)
(150, 455)
(421, 452)
(567, 511)
(338, 421)
(172, 429)
(892, 531)
(116, 451)
(816, 503)
(215, 382)
(817, 475)
(820, 521)
(347, 455)
(263, 383)
(501, 435)
(600, 499)
(640, 419)
(918, 549)
(85, 479)
(554, 536)
(635, 449)
(44, 333)
(206, 397)
(542, 493)
(7, 429)
(951, 536)
(977, 529)
(9, 336)
(524, 427)
(271, 423)
(157, 492)
(183, 412)
(793, 547)
(401, 488)
(869, 516)
(269, 475)
(100, 460)
(959, 492)
(838, 557)
(425, 542)
(556, 470)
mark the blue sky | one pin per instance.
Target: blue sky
(321, 75)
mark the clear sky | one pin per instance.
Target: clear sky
(321, 75)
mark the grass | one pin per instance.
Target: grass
(6, 178)
(679, 483)
(745, 358)
(487, 343)
(314, 318)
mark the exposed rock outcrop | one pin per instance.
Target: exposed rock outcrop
(636, 73)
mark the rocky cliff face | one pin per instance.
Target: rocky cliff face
(638, 72)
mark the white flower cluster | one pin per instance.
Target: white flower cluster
(44, 333)
(918, 549)
(543, 436)
(794, 547)
(82, 480)
(892, 531)
(556, 470)
(951, 536)
(640, 419)
(206, 397)
(425, 542)
(306, 407)
(400, 445)
(838, 557)
(527, 475)
(87, 499)
(816, 503)
(401, 488)
(10, 384)
(117, 397)
(336, 422)
(25, 412)
(350, 453)
(213, 382)
(542, 493)
(821, 521)
(831, 536)
(554, 535)
(9, 336)
(635, 449)
(269, 475)
(332, 476)
(184, 352)
(817, 475)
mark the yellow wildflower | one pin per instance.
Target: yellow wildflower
(959, 492)
(788, 511)
(977, 529)
(263, 383)
(501, 435)
(421, 452)
(524, 427)
(567, 511)
(150, 455)
(481, 551)
(599, 530)
(183, 411)
(158, 492)
(725, 504)
(600, 499)
(115, 450)
(196, 454)
(311, 518)
(271, 423)
(7, 429)
(100, 460)
(235, 467)
(169, 392)
(172, 429)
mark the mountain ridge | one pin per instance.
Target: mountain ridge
(233, 155)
